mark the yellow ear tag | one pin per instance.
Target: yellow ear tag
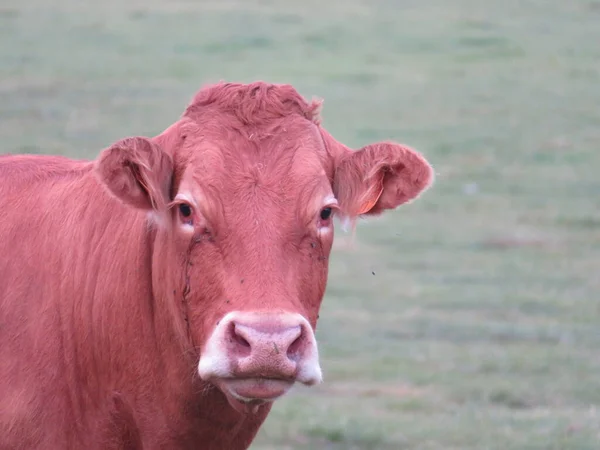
(372, 197)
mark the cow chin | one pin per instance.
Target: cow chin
(246, 395)
(255, 358)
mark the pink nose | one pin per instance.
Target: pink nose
(261, 345)
(266, 348)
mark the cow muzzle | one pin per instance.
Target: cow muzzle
(257, 357)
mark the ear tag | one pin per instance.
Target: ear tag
(372, 196)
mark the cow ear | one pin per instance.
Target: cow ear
(379, 177)
(138, 172)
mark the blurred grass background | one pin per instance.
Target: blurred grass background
(469, 319)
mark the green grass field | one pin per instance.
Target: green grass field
(469, 319)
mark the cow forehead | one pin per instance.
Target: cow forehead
(281, 166)
(288, 153)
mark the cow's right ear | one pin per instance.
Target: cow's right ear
(138, 172)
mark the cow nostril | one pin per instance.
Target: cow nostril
(241, 341)
(238, 338)
(293, 351)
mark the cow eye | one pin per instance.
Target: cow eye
(326, 213)
(185, 210)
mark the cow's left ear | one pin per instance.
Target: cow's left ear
(138, 172)
(379, 177)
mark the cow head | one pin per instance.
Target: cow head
(242, 192)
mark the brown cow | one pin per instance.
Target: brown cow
(164, 294)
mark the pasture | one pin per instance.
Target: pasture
(467, 320)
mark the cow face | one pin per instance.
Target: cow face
(243, 190)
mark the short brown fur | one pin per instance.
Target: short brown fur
(105, 304)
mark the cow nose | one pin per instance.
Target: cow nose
(264, 340)
(261, 345)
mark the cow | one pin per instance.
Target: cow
(164, 294)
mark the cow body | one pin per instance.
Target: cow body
(163, 295)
